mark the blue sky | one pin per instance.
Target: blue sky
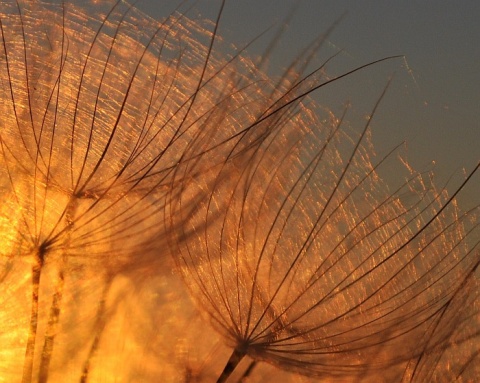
(434, 100)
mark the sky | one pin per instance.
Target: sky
(433, 102)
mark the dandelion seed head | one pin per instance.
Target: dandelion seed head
(96, 117)
(314, 264)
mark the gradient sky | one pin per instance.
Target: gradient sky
(434, 100)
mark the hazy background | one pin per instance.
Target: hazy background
(434, 100)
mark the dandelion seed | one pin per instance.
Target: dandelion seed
(304, 258)
(310, 263)
(100, 107)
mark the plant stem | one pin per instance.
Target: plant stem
(30, 350)
(232, 363)
(100, 327)
(55, 308)
(51, 329)
(248, 371)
